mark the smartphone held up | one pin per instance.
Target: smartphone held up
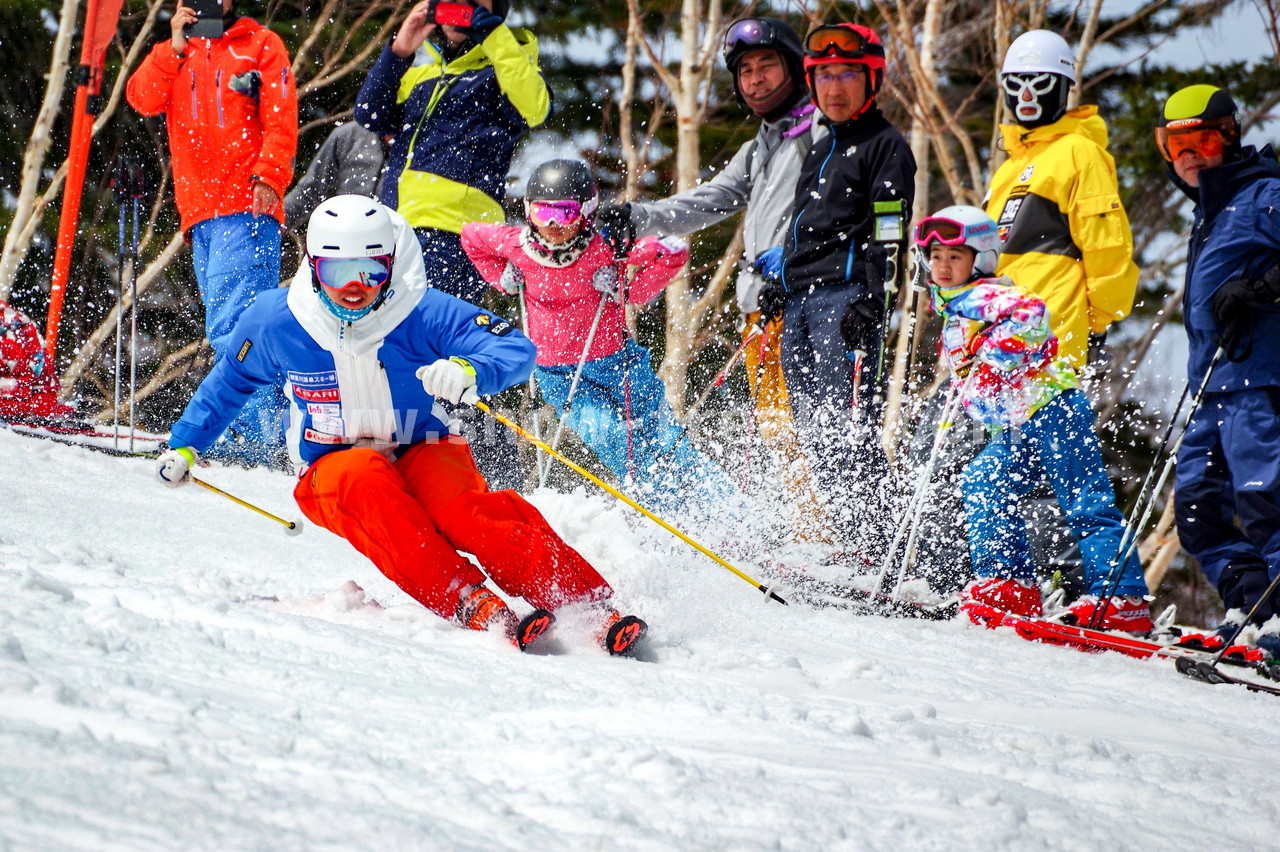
(451, 14)
(210, 24)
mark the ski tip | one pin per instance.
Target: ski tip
(532, 627)
(625, 634)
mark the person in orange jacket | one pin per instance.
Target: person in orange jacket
(231, 111)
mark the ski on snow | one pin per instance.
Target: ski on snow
(87, 437)
(1206, 672)
(826, 594)
(1196, 663)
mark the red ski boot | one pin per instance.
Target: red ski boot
(481, 609)
(1127, 613)
(986, 600)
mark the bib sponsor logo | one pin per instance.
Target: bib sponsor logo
(317, 394)
(1027, 173)
(322, 437)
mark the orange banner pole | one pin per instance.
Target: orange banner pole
(99, 30)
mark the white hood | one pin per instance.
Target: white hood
(364, 336)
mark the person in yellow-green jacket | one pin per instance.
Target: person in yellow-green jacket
(456, 99)
(1063, 230)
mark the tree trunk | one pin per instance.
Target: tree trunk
(696, 62)
(18, 238)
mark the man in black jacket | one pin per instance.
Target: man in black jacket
(852, 201)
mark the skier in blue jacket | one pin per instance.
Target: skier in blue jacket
(1228, 471)
(369, 351)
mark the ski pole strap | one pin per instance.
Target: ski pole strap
(515, 427)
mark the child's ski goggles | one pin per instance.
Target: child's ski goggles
(1205, 137)
(840, 41)
(543, 213)
(338, 272)
(939, 229)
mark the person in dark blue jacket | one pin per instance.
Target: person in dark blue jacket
(1228, 470)
(368, 351)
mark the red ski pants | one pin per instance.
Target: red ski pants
(412, 516)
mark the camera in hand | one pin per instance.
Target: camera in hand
(451, 14)
(210, 24)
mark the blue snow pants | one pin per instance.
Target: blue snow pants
(237, 257)
(492, 446)
(668, 469)
(1059, 443)
(1228, 495)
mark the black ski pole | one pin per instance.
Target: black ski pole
(1129, 539)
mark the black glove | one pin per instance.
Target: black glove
(614, 223)
(773, 300)
(1098, 356)
(859, 323)
(1234, 308)
(483, 22)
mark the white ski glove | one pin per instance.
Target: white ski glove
(448, 378)
(512, 279)
(173, 467)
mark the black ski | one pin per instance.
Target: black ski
(824, 594)
(1206, 672)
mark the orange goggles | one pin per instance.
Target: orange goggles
(840, 41)
(1206, 139)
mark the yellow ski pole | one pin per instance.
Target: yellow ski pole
(290, 527)
(515, 427)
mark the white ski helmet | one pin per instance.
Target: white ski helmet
(350, 226)
(958, 225)
(1040, 52)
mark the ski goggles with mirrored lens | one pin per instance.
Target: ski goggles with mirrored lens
(1040, 84)
(750, 32)
(338, 272)
(840, 41)
(1206, 137)
(543, 213)
(939, 229)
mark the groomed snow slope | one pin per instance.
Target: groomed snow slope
(176, 673)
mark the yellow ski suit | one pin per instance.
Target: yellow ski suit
(1064, 233)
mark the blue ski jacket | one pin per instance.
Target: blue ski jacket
(354, 383)
(1235, 234)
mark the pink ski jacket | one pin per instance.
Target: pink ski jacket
(562, 301)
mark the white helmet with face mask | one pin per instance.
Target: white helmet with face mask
(1039, 70)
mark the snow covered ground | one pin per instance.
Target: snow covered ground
(176, 673)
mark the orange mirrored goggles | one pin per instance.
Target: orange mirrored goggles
(842, 42)
(1208, 138)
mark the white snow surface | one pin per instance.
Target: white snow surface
(176, 673)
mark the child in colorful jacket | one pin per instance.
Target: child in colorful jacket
(998, 342)
(573, 285)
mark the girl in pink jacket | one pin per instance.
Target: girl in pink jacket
(570, 277)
